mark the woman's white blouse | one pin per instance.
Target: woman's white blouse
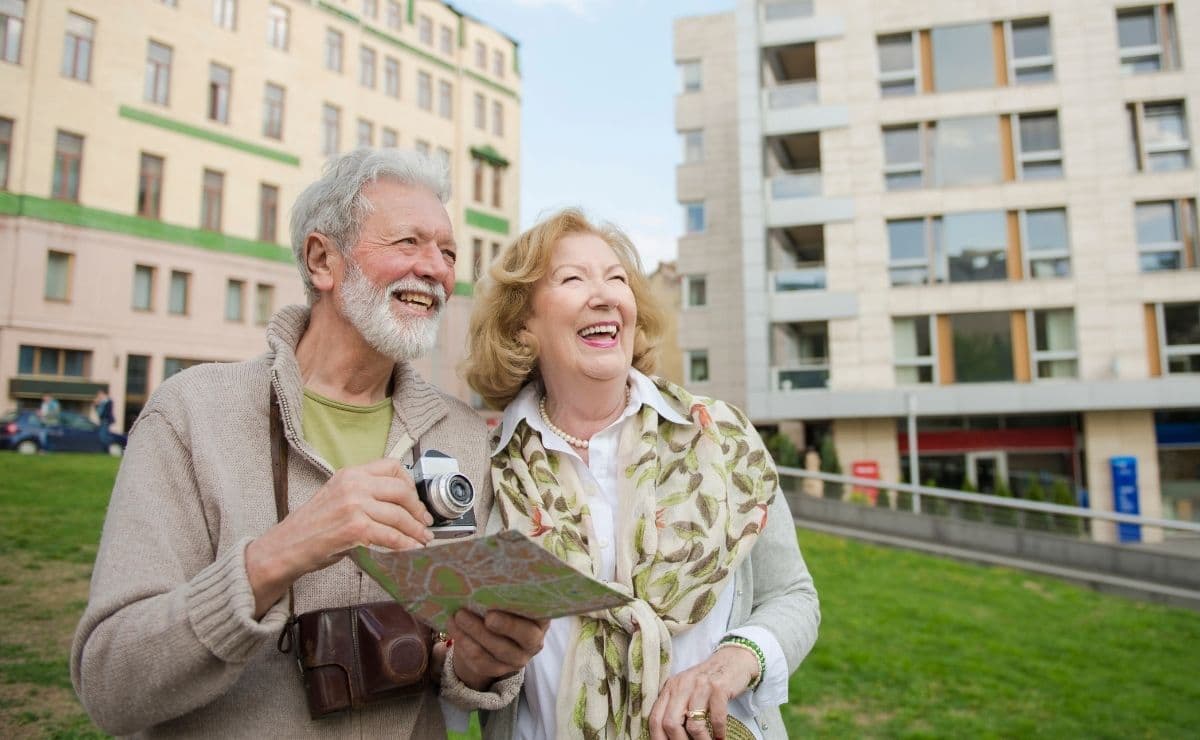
(536, 713)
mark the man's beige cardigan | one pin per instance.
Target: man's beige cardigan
(168, 644)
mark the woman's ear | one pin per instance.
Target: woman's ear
(323, 261)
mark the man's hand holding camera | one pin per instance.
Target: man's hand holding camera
(371, 504)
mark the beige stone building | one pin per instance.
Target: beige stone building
(150, 151)
(982, 213)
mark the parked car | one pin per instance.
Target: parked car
(24, 432)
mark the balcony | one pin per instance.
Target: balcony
(799, 355)
(800, 377)
(784, 10)
(791, 95)
(786, 281)
(796, 185)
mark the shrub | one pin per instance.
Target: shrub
(1036, 519)
(1003, 515)
(1060, 493)
(830, 464)
(970, 510)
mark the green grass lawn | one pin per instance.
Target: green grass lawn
(911, 645)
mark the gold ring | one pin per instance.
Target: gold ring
(696, 714)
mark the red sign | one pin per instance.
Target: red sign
(866, 469)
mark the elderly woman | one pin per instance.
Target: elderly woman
(670, 498)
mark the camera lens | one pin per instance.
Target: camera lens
(449, 495)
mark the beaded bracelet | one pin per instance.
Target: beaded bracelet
(741, 642)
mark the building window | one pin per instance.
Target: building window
(424, 91)
(495, 250)
(913, 347)
(1039, 150)
(975, 245)
(68, 165)
(497, 185)
(211, 199)
(54, 362)
(277, 26)
(476, 259)
(158, 73)
(1030, 52)
(477, 166)
(219, 81)
(176, 365)
(235, 291)
(1148, 38)
(446, 40)
(389, 138)
(962, 57)
(12, 26)
(1047, 244)
(983, 349)
(143, 288)
(150, 181)
(697, 366)
(898, 73)
(421, 146)
(366, 67)
(177, 299)
(695, 291)
(366, 133)
(497, 118)
(498, 63)
(333, 50)
(225, 14)
(911, 248)
(689, 76)
(1180, 339)
(264, 303)
(1054, 353)
(391, 77)
(480, 56)
(425, 30)
(445, 99)
(58, 275)
(6, 138)
(799, 355)
(268, 212)
(1166, 235)
(1160, 136)
(480, 112)
(693, 146)
(370, 8)
(967, 151)
(395, 15)
(77, 47)
(693, 217)
(904, 157)
(273, 99)
(331, 129)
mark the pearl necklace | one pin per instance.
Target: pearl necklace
(569, 438)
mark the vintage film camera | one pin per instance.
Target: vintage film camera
(446, 493)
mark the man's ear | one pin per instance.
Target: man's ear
(323, 260)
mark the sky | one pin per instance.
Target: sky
(598, 86)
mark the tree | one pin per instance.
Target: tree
(830, 464)
(1060, 493)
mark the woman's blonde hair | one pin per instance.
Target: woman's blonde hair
(501, 358)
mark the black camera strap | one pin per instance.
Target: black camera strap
(279, 472)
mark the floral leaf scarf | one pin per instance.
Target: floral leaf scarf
(692, 501)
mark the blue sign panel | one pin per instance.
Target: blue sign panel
(1125, 496)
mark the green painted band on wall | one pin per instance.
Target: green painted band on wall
(487, 221)
(494, 85)
(57, 211)
(384, 36)
(466, 289)
(488, 154)
(186, 129)
(345, 14)
(411, 19)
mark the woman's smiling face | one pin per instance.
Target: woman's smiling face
(583, 316)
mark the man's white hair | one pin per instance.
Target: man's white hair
(335, 206)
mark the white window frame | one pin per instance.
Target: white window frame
(497, 118)
(480, 107)
(446, 39)
(689, 357)
(234, 285)
(425, 30)
(425, 91)
(1145, 150)
(1037, 356)
(1166, 351)
(1128, 55)
(934, 267)
(913, 74)
(1015, 65)
(1028, 257)
(278, 23)
(331, 129)
(930, 361)
(683, 135)
(391, 77)
(367, 66)
(687, 206)
(684, 66)
(1181, 228)
(335, 44)
(224, 14)
(1023, 158)
(365, 133)
(909, 168)
(395, 15)
(389, 138)
(688, 281)
(445, 99)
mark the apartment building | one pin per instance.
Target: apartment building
(981, 215)
(150, 151)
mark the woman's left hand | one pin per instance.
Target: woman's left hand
(709, 687)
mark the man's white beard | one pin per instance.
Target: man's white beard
(369, 309)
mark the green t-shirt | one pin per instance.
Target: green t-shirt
(343, 434)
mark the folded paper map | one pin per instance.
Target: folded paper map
(506, 571)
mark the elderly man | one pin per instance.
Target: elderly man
(191, 585)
